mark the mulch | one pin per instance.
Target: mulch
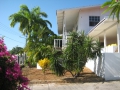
(37, 76)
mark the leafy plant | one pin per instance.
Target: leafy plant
(44, 64)
(114, 7)
(33, 24)
(16, 50)
(56, 63)
(78, 51)
(11, 77)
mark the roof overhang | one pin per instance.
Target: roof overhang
(70, 16)
(108, 26)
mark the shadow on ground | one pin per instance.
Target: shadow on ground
(85, 77)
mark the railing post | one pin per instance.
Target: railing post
(59, 43)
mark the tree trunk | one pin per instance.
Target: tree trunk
(77, 75)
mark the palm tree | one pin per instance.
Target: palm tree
(114, 7)
(29, 20)
(46, 35)
(33, 26)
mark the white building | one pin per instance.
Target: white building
(99, 26)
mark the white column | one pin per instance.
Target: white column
(63, 24)
(105, 42)
(64, 29)
(118, 37)
(59, 43)
(65, 32)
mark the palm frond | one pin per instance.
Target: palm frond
(43, 14)
(48, 22)
(24, 8)
(107, 3)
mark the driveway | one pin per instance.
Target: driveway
(111, 85)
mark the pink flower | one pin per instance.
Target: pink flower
(14, 57)
(12, 70)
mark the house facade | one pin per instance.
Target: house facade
(97, 25)
(78, 19)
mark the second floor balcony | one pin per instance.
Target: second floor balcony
(60, 44)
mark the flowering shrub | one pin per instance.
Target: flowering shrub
(10, 73)
(44, 63)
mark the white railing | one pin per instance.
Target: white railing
(60, 43)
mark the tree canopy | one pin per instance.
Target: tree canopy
(35, 26)
(16, 50)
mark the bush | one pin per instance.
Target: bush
(10, 73)
(44, 64)
(56, 63)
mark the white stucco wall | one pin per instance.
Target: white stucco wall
(107, 67)
(112, 66)
(90, 65)
(83, 20)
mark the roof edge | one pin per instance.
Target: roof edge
(82, 7)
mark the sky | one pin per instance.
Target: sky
(13, 37)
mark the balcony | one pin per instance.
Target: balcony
(60, 44)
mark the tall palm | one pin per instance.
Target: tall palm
(28, 20)
(46, 35)
(114, 7)
(32, 25)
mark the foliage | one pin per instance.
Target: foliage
(11, 77)
(44, 64)
(42, 46)
(79, 49)
(33, 25)
(29, 20)
(41, 52)
(16, 50)
(56, 63)
(40, 39)
(114, 7)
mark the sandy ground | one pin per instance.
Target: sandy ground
(36, 74)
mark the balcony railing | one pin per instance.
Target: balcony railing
(59, 44)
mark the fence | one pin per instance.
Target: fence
(21, 58)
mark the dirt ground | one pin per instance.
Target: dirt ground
(36, 74)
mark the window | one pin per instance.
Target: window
(93, 20)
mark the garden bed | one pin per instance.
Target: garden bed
(34, 74)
